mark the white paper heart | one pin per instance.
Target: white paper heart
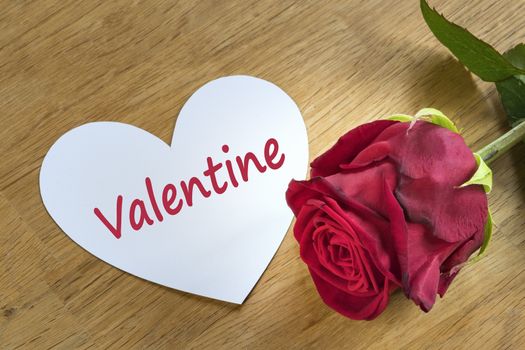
(219, 246)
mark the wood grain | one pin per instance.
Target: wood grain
(65, 63)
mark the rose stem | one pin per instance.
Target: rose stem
(502, 144)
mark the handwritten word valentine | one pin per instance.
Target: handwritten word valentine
(171, 204)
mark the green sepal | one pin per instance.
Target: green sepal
(487, 236)
(434, 116)
(400, 117)
(437, 117)
(482, 176)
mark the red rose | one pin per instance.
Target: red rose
(383, 210)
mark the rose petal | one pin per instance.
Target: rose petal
(459, 257)
(367, 187)
(354, 307)
(312, 258)
(433, 162)
(299, 192)
(374, 153)
(425, 254)
(347, 147)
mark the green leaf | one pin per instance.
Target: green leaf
(486, 239)
(437, 117)
(512, 90)
(516, 56)
(478, 56)
(482, 176)
(512, 95)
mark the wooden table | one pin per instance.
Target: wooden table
(65, 63)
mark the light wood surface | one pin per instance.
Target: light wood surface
(64, 63)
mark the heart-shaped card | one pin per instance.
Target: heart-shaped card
(204, 215)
